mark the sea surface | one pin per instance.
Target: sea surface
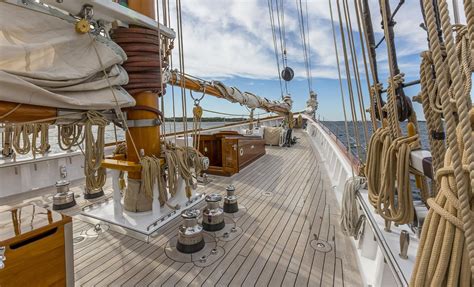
(338, 128)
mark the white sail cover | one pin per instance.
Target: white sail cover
(45, 62)
(250, 100)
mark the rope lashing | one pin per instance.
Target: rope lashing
(94, 151)
(121, 149)
(392, 106)
(375, 92)
(183, 161)
(152, 174)
(143, 64)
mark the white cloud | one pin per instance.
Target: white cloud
(230, 38)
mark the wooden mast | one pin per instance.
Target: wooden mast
(145, 138)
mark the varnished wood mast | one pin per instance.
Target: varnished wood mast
(145, 138)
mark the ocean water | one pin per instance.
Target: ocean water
(338, 128)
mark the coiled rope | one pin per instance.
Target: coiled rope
(395, 202)
(442, 257)
(375, 162)
(94, 151)
(349, 218)
(152, 174)
(21, 142)
(70, 135)
(450, 83)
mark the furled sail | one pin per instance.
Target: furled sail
(45, 62)
(232, 94)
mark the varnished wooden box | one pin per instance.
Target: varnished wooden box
(229, 152)
(38, 247)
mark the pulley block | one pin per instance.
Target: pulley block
(287, 74)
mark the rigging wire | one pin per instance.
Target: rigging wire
(346, 126)
(349, 81)
(181, 67)
(355, 67)
(275, 45)
(304, 42)
(280, 15)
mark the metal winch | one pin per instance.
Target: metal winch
(93, 193)
(230, 200)
(190, 237)
(63, 198)
(213, 215)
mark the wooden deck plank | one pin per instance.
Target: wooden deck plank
(249, 226)
(273, 250)
(148, 264)
(262, 251)
(265, 208)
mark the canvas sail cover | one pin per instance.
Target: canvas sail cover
(250, 100)
(44, 61)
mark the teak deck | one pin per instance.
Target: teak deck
(289, 204)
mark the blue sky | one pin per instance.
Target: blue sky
(231, 41)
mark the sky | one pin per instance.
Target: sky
(231, 41)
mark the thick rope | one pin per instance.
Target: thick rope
(424, 263)
(392, 109)
(152, 174)
(463, 103)
(349, 218)
(94, 151)
(70, 135)
(375, 162)
(395, 202)
(433, 119)
(442, 257)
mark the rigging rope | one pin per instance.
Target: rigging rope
(340, 82)
(355, 67)
(372, 98)
(275, 45)
(349, 83)
(459, 161)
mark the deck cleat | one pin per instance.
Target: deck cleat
(230, 200)
(190, 239)
(63, 198)
(213, 215)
